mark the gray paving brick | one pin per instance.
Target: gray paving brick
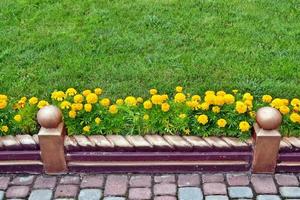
(114, 198)
(190, 193)
(240, 192)
(290, 192)
(41, 194)
(216, 197)
(90, 194)
(1, 195)
(268, 197)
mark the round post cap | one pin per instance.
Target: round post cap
(268, 118)
(49, 116)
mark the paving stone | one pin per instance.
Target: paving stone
(92, 181)
(237, 179)
(263, 184)
(268, 197)
(17, 192)
(165, 189)
(290, 192)
(69, 191)
(70, 180)
(165, 198)
(41, 194)
(116, 185)
(45, 182)
(190, 193)
(22, 180)
(164, 179)
(286, 180)
(4, 181)
(114, 198)
(216, 197)
(212, 178)
(214, 188)
(139, 193)
(140, 181)
(188, 180)
(90, 194)
(1, 195)
(240, 192)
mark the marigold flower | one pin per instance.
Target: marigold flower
(42, 104)
(164, 97)
(88, 107)
(179, 89)
(97, 120)
(210, 92)
(65, 105)
(202, 119)
(267, 98)
(219, 100)
(221, 123)
(18, 118)
(240, 107)
(153, 91)
(193, 104)
(277, 103)
(86, 92)
(204, 106)
(140, 99)
(71, 92)
(235, 91)
(221, 93)
(146, 117)
(247, 96)
(229, 99)
(196, 98)
(295, 102)
(179, 98)
(72, 114)
(86, 128)
(130, 101)
(216, 109)
(113, 109)
(33, 100)
(77, 106)
(105, 102)
(3, 104)
(209, 98)
(120, 102)
(284, 109)
(58, 95)
(92, 98)
(78, 98)
(157, 99)
(295, 117)
(3, 97)
(244, 126)
(4, 129)
(98, 91)
(252, 114)
(147, 105)
(165, 107)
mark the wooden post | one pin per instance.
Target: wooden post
(267, 140)
(51, 140)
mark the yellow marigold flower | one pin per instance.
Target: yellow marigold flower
(97, 120)
(164, 97)
(78, 98)
(120, 102)
(216, 109)
(21, 103)
(88, 107)
(58, 95)
(18, 118)
(4, 129)
(86, 129)
(221, 123)
(113, 109)
(210, 92)
(153, 91)
(180, 97)
(202, 119)
(86, 92)
(146, 117)
(252, 114)
(130, 101)
(277, 103)
(267, 98)
(24, 99)
(157, 99)
(65, 105)
(240, 107)
(165, 107)
(295, 117)
(147, 105)
(71, 92)
(296, 109)
(3, 97)
(249, 104)
(140, 99)
(285, 102)
(209, 98)
(77, 106)
(105, 102)
(284, 109)
(247, 96)
(182, 116)
(295, 102)
(219, 100)
(193, 104)
(42, 104)
(98, 91)
(92, 98)
(235, 91)
(196, 98)
(3, 104)
(204, 106)
(244, 126)
(221, 93)
(72, 114)
(33, 101)
(229, 99)
(179, 89)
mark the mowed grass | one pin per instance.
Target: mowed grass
(128, 47)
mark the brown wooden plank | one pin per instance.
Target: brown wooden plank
(198, 143)
(101, 142)
(26, 141)
(84, 143)
(217, 143)
(70, 143)
(139, 142)
(295, 142)
(10, 143)
(236, 143)
(120, 143)
(178, 142)
(159, 143)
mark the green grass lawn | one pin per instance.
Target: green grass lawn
(128, 47)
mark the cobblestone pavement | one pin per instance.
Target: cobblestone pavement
(143, 186)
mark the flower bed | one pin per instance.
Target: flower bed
(209, 114)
